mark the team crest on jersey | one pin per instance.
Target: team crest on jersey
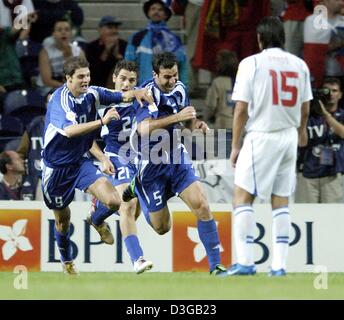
(71, 116)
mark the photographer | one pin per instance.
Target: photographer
(322, 160)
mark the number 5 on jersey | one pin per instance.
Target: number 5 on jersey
(279, 84)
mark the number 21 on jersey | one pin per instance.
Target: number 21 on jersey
(279, 84)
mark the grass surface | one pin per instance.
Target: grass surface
(178, 285)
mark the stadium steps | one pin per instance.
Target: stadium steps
(129, 12)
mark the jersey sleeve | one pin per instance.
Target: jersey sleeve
(243, 87)
(307, 93)
(61, 114)
(104, 97)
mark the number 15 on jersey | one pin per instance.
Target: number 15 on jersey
(280, 84)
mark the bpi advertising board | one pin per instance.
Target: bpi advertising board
(26, 238)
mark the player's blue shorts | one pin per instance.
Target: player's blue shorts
(124, 172)
(156, 183)
(58, 184)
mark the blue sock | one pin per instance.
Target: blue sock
(64, 245)
(133, 247)
(210, 238)
(101, 213)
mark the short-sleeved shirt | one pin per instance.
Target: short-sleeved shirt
(166, 104)
(64, 110)
(274, 83)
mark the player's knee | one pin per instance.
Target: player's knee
(62, 225)
(202, 210)
(163, 228)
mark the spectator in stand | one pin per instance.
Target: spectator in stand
(219, 104)
(12, 167)
(232, 28)
(8, 14)
(104, 52)
(324, 42)
(11, 77)
(30, 148)
(192, 18)
(55, 52)
(156, 38)
(322, 160)
(293, 20)
(50, 11)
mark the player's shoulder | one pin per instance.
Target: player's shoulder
(297, 60)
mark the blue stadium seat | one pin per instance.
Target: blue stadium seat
(28, 52)
(10, 128)
(24, 104)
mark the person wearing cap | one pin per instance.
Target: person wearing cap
(156, 38)
(104, 52)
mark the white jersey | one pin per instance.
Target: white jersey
(274, 83)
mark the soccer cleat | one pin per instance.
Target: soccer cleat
(69, 268)
(103, 230)
(129, 192)
(142, 265)
(277, 273)
(238, 269)
(219, 271)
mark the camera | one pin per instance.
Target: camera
(323, 95)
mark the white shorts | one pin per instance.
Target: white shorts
(267, 162)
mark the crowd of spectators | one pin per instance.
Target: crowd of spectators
(36, 40)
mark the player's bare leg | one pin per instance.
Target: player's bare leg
(106, 193)
(127, 218)
(161, 220)
(244, 226)
(62, 234)
(196, 200)
(280, 234)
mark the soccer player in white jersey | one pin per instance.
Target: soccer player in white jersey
(70, 126)
(272, 94)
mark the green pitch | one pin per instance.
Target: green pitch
(188, 285)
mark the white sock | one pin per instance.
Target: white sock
(280, 237)
(244, 225)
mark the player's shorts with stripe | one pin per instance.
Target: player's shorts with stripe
(124, 171)
(58, 184)
(267, 162)
(156, 183)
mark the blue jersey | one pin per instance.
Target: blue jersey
(167, 104)
(64, 110)
(116, 134)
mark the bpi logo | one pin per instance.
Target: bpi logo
(20, 239)
(188, 251)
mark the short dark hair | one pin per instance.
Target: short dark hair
(333, 80)
(62, 19)
(72, 64)
(165, 60)
(227, 63)
(126, 65)
(271, 32)
(4, 160)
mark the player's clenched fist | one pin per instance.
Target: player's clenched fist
(187, 113)
(112, 114)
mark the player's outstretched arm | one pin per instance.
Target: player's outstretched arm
(149, 125)
(81, 129)
(239, 121)
(138, 94)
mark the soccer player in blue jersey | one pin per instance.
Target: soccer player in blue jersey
(157, 181)
(116, 135)
(70, 128)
